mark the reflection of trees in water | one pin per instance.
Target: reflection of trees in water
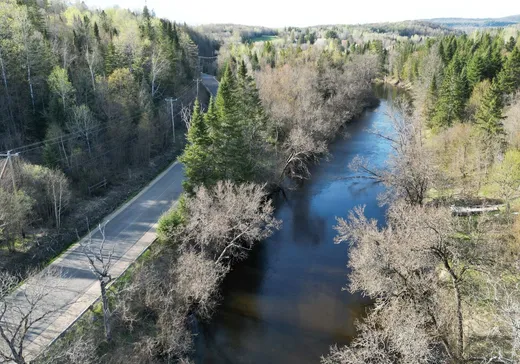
(243, 325)
(306, 227)
(230, 322)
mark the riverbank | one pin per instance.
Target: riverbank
(284, 304)
(159, 265)
(394, 82)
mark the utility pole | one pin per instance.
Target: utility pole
(10, 161)
(171, 100)
(199, 73)
(199, 77)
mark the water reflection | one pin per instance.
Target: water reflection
(284, 304)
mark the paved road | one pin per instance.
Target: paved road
(211, 84)
(129, 232)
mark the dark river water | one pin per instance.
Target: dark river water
(285, 303)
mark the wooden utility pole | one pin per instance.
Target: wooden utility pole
(199, 77)
(8, 159)
(171, 100)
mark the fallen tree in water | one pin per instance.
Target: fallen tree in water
(476, 210)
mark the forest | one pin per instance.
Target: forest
(83, 115)
(443, 272)
(83, 105)
(101, 99)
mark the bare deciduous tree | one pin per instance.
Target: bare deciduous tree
(409, 170)
(422, 259)
(83, 123)
(197, 280)
(392, 334)
(92, 58)
(100, 263)
(158, 65)
(301, 150)
(228, 219)
(22, 309)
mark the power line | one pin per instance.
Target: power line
(9, 161)
(88, 161)
(69, 136)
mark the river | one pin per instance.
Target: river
(285, 304)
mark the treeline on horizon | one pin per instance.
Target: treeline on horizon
(444, 287)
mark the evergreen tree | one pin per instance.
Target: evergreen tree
(112, 59)
(197, 154)
(452, 97)
(489, 115)
(431, 99)
(228, 134)
(509, 77)
(254, 62)
(476, 70)
(510, 45)
(96, 32)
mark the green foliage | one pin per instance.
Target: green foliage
(476, 70)
(509, 77)
(14, 215)
(331, 34)
(223, 143)
(489, 115)
(172, 220)
(112, 59)
(511, 43)
(197, 160)
(505, 175)
(60, 86)
(228, 135)
(452, 96)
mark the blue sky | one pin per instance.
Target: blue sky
(279, 13)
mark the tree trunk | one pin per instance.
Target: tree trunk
(88, 144)
(460, 346)
(64, 152)
(106, 310)
(8, 97)
(29, 80)
(458, 301)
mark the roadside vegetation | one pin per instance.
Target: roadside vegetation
(444, 286)
(82, 111)
(241, 149)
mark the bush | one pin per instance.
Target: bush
(172, 220)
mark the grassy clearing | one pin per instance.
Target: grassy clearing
(266, 38)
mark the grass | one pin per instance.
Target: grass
(266, 38)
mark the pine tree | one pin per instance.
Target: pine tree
(489, 115)
(452, 97)
(254, 62)
(96, 32)
(509, 77)
(112, 59)
(196, 156)
(476, 70)
(510, 45)
(228, 133)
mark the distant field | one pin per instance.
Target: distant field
(265, 38)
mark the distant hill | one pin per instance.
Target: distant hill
(476, 23)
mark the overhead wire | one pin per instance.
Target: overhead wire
(67, 137)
